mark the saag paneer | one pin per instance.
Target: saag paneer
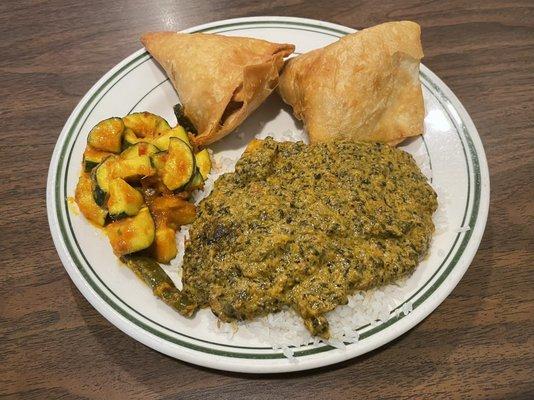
(306, 226)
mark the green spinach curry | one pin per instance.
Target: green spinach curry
(305, 227)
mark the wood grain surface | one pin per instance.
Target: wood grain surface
(478, 344)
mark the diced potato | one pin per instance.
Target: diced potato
(165, 245)
(173, 211)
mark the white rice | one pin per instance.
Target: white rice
(285, 330)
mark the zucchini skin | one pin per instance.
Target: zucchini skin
(150, 272)
(86, 202)
(180, 165)
(139, 149)
(100, 193)
(145, 124)
(89, 165)
(116, 217)
(107, 135)
(196, 182)
(93, 157)
(130, 139)
(100, 196)
(158, 160)
(183, 120)
(203, 161)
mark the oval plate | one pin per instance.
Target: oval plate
(451, 153)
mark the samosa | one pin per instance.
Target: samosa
(364, 87)
(220, 79)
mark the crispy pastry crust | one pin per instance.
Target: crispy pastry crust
(365, 86)
(220, 79)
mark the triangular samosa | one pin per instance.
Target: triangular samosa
(220, 79)
(364, 87)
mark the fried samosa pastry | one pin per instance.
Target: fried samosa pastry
(364, 87)
(220, 79)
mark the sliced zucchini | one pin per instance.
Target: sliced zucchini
(196, 183)
(101, 176)
(132, 234)
(159, 159)
(124, 200)
(162, 142)
(183, 120)
(129, 138)
(180, 165)
(86, 203)
(139, 149)
(107, 135)
(203, 161)
(145, 124)
(133, 169)
(164, 248)
(93, 157)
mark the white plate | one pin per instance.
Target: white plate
(451, 153)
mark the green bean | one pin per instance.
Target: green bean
(148, 270)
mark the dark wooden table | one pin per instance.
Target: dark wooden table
(478, 344)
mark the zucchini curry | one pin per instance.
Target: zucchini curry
(137, 176)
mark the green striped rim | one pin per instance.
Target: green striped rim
(143, 57)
